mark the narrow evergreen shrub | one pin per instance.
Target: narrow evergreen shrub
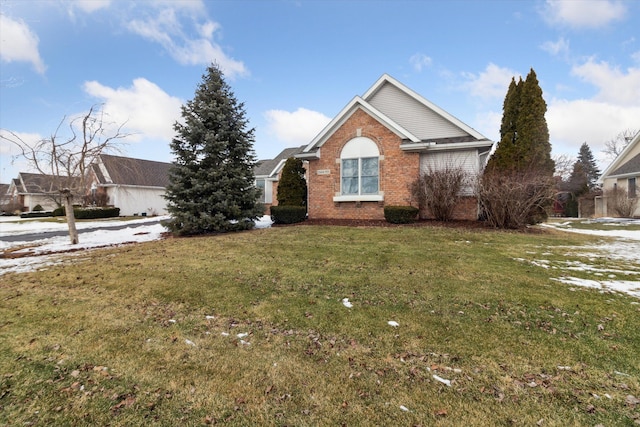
(288, 214)
(38, 208)
(400, 214)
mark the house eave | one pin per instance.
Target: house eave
(624, 175)
(432, 146)
(313, 155)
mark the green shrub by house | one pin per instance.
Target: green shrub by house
(288, 214)
(400, 214)
(94, 213)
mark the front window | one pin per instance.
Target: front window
(632, 188)
(260, 183)
(360, 172)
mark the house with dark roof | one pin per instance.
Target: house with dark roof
(135, 186)
(622, 175)
(368, 156)
(29, 190)
(267, 174)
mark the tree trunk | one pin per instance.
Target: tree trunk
(71, 218)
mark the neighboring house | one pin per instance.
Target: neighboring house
(622, 174)
(267, 175)
(31, 189)
(378, 145)
(135, 186)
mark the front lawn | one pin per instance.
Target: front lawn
(254, 328)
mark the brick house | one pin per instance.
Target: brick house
(378, 145)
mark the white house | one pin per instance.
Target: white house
(135, 186)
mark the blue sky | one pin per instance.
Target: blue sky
(296, 64)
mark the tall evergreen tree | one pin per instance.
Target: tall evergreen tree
(524, 135)
(531, 126)
(211, 181)
(503, 157)
(589, 166)
(292, 187)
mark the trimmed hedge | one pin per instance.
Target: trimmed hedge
(94, 213)
(288, 214)
(36, 214)
(400, 214)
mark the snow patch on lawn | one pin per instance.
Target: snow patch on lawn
(23, 256)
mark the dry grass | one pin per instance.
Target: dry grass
(123, 337)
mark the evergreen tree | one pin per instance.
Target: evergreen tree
(503, 157)
(292, 188)
(532, 138)
(589, 166)
(521, 161)
(524, 135)
(211, 185)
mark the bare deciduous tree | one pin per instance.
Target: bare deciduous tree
(622, 204)
(515, 200)
(439, 190)
(66, 156)
(614, 146)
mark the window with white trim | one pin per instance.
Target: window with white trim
(360, 170)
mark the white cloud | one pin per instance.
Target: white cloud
(298, 127)
(615, 86)
(166, 28)
(558, 48)
(584, 13)
(420, 61)
(491, 83)
(11, 161)
(18, 43)
(90, 6)
(636, 57)
(573, 122)
(149, 112)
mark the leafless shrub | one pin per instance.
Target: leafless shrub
(439, 190)
(516, 199)
(623, 205)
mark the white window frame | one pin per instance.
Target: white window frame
(359, 148)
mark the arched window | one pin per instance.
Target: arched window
(359, 170)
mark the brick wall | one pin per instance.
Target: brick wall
(467, 209)
(397, 170)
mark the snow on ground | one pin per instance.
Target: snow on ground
(611, 264)
(614, 265)
(41, 253)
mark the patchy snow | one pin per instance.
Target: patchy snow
(346, 302)
(618, 260)
(29, 255)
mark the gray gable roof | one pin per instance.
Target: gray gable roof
(37, 183)
(630, 167)
(272, 166)
(129, 171)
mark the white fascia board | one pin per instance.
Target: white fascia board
(277, 169)
(387, 78)
(431, 146)
(344, 115)
(308, 156)
(616, 162)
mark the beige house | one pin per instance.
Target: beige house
(620, 183)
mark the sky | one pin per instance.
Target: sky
(295, 64)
